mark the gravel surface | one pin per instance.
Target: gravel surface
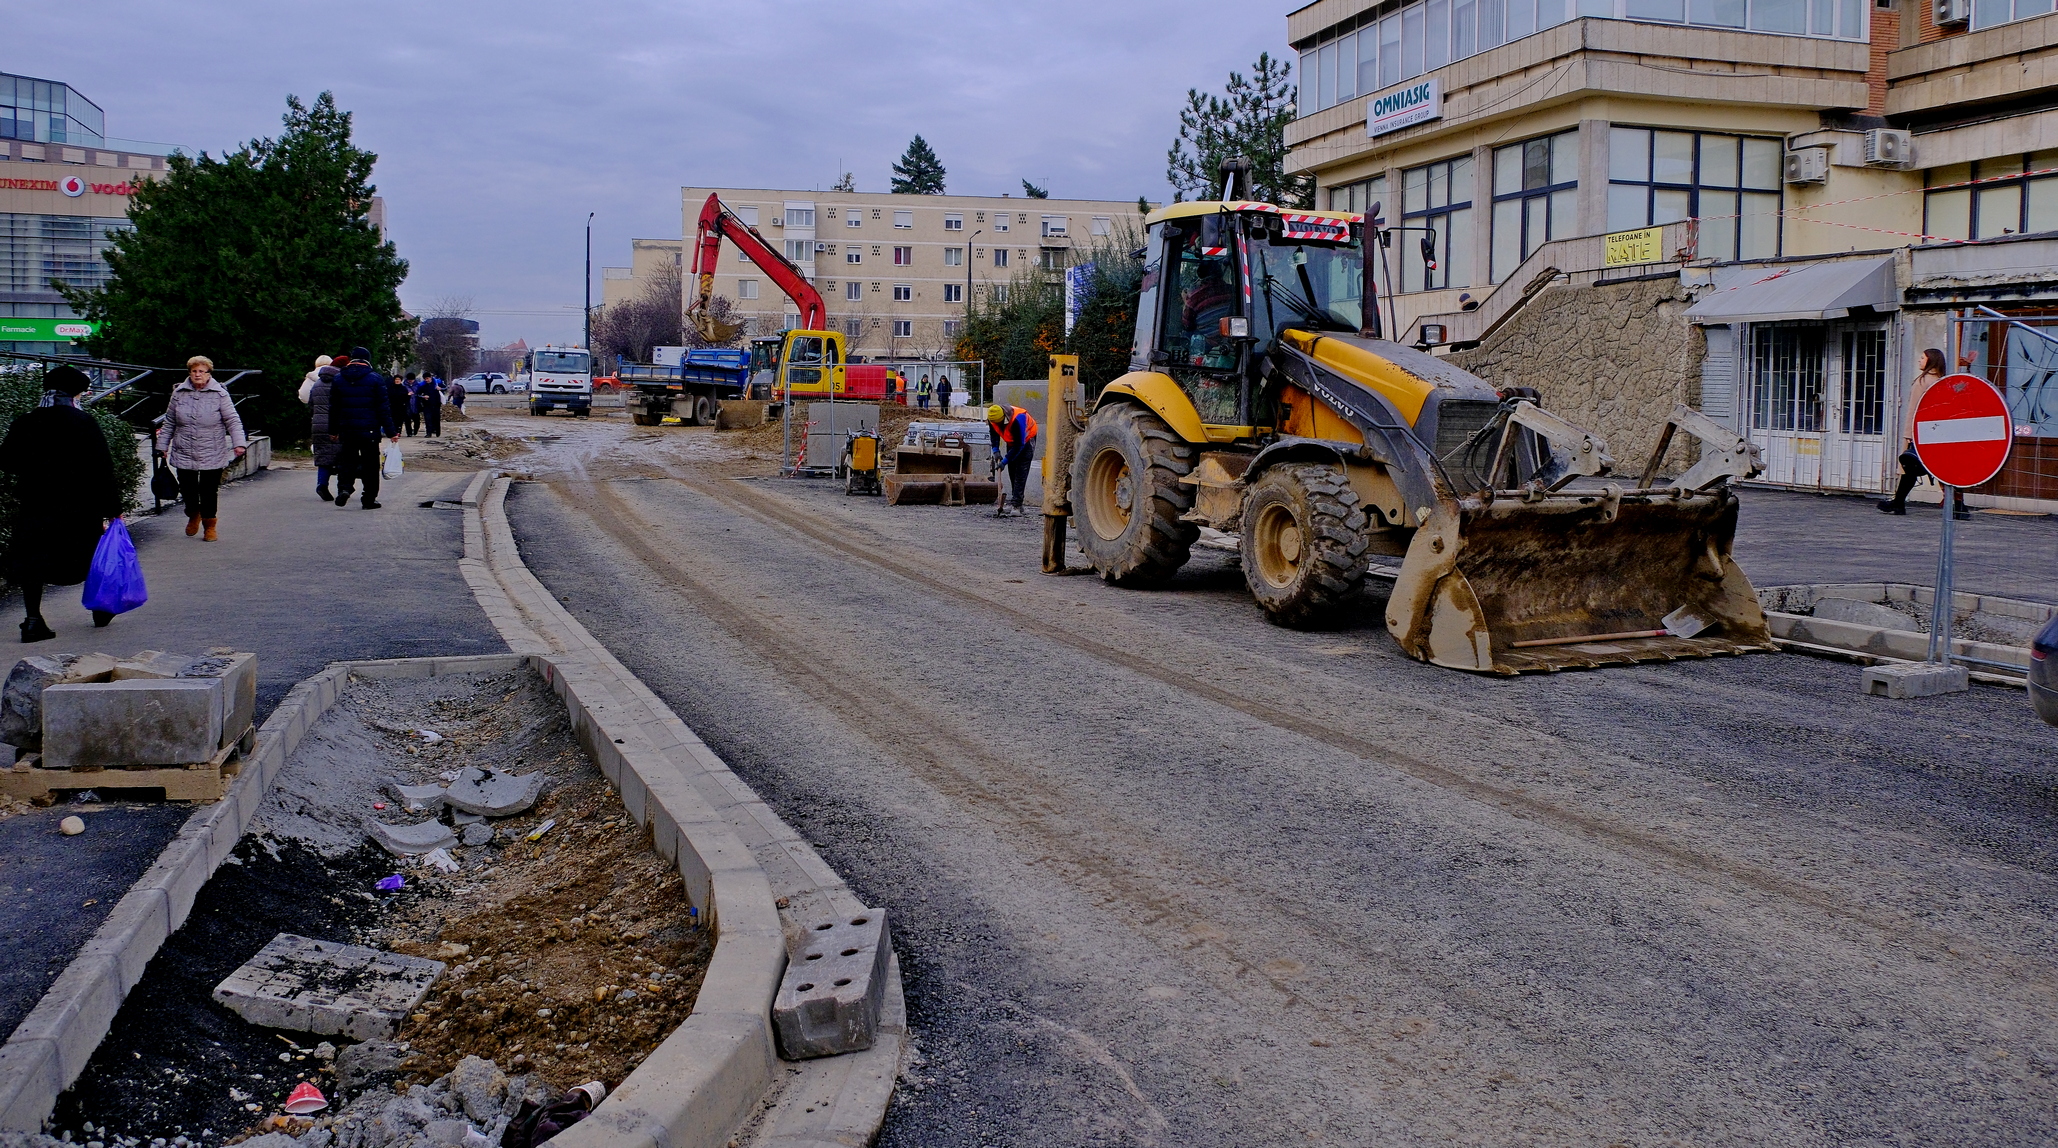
(1165, 874)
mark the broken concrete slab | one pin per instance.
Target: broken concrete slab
(21, 698)
(305, 985)
(1862, 614)
(494, 792)
(149, 664)
(476, 834)
(140, 721)
(373, 1064)
(480, 1086)
(1915, 680)
(410, 840)
(829, 1001)
(418, 798)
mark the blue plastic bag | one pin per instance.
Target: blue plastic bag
(115, 583)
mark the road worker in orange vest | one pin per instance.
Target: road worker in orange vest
(1013, 434)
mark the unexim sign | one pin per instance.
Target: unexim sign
(1405, 107)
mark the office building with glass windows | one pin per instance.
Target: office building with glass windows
(1780, 202)
(64, 186)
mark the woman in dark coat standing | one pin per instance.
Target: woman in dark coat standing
(66, 492)
(326, 444)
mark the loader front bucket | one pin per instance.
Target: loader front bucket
(1483, 575)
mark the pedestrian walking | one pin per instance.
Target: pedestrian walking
(1911, 463)
(307, 380)
(407, 409)
(923, 390)
(360, 414)
(457, 393)
(428, 403)
(943, 393)
(201, 436)
(65, 495)
(307, 384)
(1014, 429)
(322, 440)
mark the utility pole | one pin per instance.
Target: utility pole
(589, 282)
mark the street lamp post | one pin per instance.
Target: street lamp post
(968, 290)
(589, 281)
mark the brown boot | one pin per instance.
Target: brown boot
(210, 528)
(192, 525)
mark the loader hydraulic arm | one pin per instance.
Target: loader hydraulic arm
(716, 220)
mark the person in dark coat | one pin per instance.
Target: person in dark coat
(324, 443)
(404, 412)
(428, 399)
(66, 491)
(360, 414)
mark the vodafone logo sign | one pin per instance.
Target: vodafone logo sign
(72, 185)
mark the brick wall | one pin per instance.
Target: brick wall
(1886, 36)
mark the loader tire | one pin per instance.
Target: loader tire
(1127, 494)
(1304, 544)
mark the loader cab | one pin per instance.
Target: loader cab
(764, 365)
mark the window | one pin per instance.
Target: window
(953, 292)
(950, 328)
(1000, 292)
(953, 257)
(1437, 196)
(1535, 198)
(1000, 221)
(2007, 201)
(853, 291)
(1360, 197)
(1786, 377)
(852, 255)
(1103, 225)
(1054, 225)
(903, 219)
(1362, 55)
(1730, 183)
(1051, 258)
(800, 217)
(853, 220)
(953, 223)
(792, 320)
(903, 328)
(800, 250)
(903, 292)
(1987, 13)
(747, 213)
(1864, 396)
(1000, 257)
(746, 288)
(853, 328)
(903, 257)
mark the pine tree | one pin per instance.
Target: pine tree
(264, 259)
(1248, 119)
(1033, 191)
(919, 172)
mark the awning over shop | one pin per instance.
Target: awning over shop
(1800, 291)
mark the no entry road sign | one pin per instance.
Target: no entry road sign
(1962, 432)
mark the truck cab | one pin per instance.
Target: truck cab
(561, 376)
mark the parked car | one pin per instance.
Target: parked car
(2043, 673)
(489, 383)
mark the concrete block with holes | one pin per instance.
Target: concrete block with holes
(835, 983)
(1915, 680)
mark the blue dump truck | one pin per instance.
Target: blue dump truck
(693, 387)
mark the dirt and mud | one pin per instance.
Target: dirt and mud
(569, 957)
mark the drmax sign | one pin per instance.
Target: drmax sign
(1405, 107)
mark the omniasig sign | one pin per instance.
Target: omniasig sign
(1419, 102)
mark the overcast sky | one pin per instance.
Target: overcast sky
(499, 126)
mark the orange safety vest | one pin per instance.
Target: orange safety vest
(1007, 425)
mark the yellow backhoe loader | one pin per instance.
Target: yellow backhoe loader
(1262, 401)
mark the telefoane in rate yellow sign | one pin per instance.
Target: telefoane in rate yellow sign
(1630, 247)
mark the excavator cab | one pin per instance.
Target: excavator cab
(1261, 402)
(810, 363)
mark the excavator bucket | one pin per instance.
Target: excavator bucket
(1576, 579)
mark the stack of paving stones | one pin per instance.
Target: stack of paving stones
(167, 721)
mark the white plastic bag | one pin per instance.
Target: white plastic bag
(389, 459)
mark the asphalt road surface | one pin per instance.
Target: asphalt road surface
(1161, 873)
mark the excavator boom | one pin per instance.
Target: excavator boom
(717, 221)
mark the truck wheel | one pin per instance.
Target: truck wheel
(1304, 543)
(703, 411)
(1125, 475)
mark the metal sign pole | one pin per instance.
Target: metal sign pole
(1941, 612)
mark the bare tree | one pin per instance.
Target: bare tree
(447, 341)
(656, 318)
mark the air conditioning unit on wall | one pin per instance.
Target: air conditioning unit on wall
(1808, 165)
(1951, 13)
(1889, 147)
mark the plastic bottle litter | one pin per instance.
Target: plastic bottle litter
(72, 826)
(537, 833)
(391, 884)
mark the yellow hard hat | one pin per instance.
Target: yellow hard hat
(994, 414)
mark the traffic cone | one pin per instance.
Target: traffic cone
(305, 1098)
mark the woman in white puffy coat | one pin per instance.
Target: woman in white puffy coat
(201, 436)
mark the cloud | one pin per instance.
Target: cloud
(499, 126)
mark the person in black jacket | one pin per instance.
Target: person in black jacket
(66, 490)
(360, 414)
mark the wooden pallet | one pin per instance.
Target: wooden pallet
(202, 781)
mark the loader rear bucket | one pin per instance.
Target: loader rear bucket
(1481, 576)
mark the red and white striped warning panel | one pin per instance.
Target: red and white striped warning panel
(1962, 430)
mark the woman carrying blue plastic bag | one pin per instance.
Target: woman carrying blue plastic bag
(66, 494)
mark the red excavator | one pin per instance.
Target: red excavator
(808, 360)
